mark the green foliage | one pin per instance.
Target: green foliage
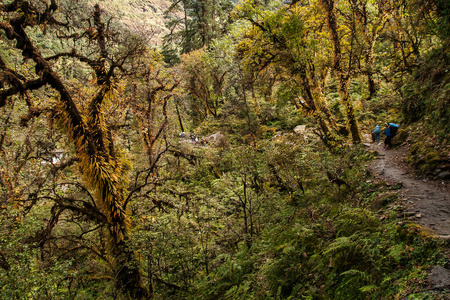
(264, 213)
(424, 156)
(34, 272)
(195, 24)
(427, 92)
(323, 250)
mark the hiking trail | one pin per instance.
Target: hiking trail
(426, 202)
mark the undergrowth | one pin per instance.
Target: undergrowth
(339, 247)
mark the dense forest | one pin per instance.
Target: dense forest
(230, 160)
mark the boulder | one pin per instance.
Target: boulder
(300, 129)
(444, 175)
(439, 278)
(217, 138)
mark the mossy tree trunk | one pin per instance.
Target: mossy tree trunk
(103, 170)
(344, 77)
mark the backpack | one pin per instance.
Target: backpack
(394, 129)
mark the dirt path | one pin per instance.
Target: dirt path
(426, 201)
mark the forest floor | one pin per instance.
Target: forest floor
(425, 201)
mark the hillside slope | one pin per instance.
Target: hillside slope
(140, 15)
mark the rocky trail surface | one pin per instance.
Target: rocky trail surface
(426, 201)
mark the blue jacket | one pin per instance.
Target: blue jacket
(377, 129)
(387, 131)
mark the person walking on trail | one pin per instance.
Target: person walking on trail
(388, 138)
(394, 128)
(377, 132)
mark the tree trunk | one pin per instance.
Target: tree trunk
(4, 263)
(179, 116)
(352, 124)
(327, 136)
(370, 82)
(101, 170)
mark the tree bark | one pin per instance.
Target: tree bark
(344, 78)
(4, 263)
(101, 170)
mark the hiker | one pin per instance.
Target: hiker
(377, 132)
(388, 138)
(394, 128)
